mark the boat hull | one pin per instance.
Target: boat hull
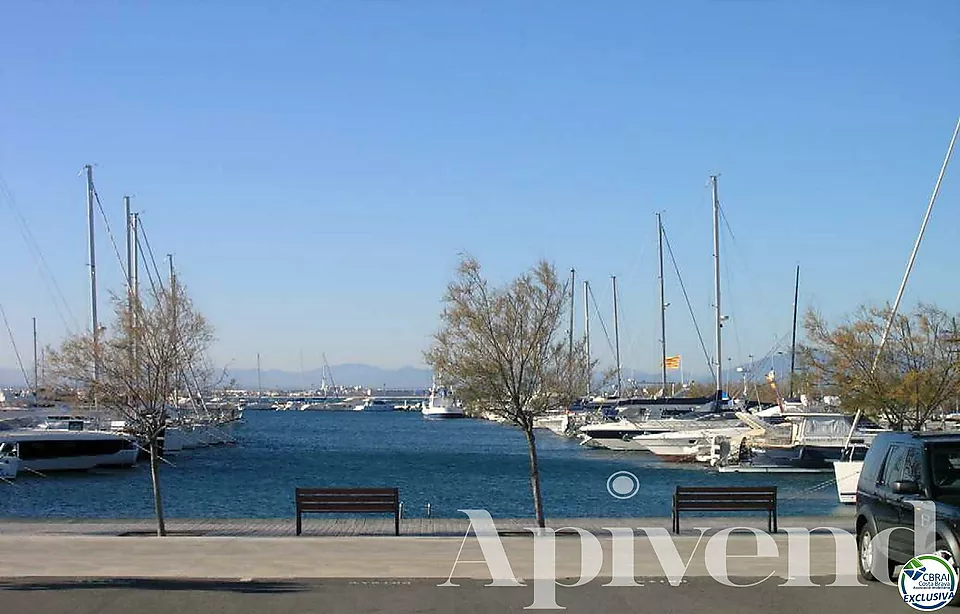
(124, 458)
(373, 408)
(611, 443)
(821, 458)
(441, 414)
(55, 450)
(847, 474)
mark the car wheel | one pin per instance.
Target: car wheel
(868, 558)
(943, 551)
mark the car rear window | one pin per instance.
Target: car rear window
(945, 467)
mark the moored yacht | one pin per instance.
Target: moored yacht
(65, 450)
(616, 435)
(372, 404)
(441, 404)
(693, 443)
(803, 442)
(637, 417)
(258, 405)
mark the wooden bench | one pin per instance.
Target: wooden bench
(726, 499)
(348, 500)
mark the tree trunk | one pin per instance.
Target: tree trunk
(155, 475)
(535, 476)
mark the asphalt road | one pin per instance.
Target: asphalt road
(695, 595)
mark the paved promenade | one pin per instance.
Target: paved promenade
(346, 548)
(314, 526)
(343, 565)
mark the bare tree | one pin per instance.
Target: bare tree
(917, 372)
(138, 365)
(504, 350)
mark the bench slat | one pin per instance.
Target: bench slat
(347, 491)
(703, 502)
(721, 497)
(726, 506)
(725, 489)
(348, 507)
(346, 498)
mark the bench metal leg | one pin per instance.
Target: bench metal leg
(396, 523)
(298, 522)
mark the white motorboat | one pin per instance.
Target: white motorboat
(259, 405)
(616, 435)
(557, 422)
(374, 405)
(686, 445)
(622, 434)
(65, 450)
(441, 404)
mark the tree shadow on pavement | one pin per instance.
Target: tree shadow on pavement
(233, 586)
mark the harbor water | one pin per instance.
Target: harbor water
(450, 465)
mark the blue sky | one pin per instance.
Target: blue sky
(316, 167)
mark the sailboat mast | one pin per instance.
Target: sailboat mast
(573, 305)
(135, 260)
(793, 342)
(36, 364)
(586, 330)
(616, 336)
(259, 385)
(906, 275)
(174, 330)
(128, 218)
(94, 322)
(716, 281)
(663, 309)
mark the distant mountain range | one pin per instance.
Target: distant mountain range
(343, 375)
(412, 377)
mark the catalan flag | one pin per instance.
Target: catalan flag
(672, 362)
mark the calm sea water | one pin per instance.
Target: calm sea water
(451, 465)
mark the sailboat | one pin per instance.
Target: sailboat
(259, 403)
(644, 424)
(847, 472)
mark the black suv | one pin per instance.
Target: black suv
(904, 467)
